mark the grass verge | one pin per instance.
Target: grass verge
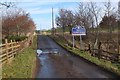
(23, 64)
(113, 67)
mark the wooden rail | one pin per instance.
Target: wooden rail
(8, 50)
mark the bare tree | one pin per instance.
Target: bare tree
(65, 19)
(95, 12)
(70, 20)
(109, 11)
(60, 20)
(7, 4)
(84, 17)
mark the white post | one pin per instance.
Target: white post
(80, 42)
(73, 41)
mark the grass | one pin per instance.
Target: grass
(114, 67)
(23, 64)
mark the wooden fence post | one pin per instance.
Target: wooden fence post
(89, 49)
(99, 50)
(118, 48)
(16, 45)
(119, 51)
(99, 47)
(6, 46)
(12, 47)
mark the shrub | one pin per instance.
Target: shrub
(16, 38)
(3, 41)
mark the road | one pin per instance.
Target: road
(63, 64)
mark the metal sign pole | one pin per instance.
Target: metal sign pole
(78, 31)
(80, 42)
(73, 41)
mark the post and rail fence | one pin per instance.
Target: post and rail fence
(8, 50)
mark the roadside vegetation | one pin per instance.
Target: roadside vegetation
(99, 28)
(23, 64)
(113, 67)
(17, 25)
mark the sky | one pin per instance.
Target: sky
(41, 10)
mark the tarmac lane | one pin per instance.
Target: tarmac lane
(63, 64)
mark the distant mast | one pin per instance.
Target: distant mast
(52, 22)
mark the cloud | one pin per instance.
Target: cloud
(34, 4)
(58, 0)
(41, 11)
(37, 7)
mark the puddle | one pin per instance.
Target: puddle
(47, 69)
(44, 51)
(39, 52)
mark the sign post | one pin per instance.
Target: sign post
(81, 42)
(78, 31)
(73, 42)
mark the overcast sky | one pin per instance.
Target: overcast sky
(41, 10)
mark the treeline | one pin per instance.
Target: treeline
(99, 19)
(89, 15)
(16, 22)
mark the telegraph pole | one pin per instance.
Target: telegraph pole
(118, 27)
(52, 22)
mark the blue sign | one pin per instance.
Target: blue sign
(78, 30)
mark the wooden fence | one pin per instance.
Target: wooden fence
(8, 50)
(103, 53)
(105, 50)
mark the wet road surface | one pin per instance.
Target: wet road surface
(63, 64)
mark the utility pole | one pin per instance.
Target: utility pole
(52, 22)
(119, 28)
